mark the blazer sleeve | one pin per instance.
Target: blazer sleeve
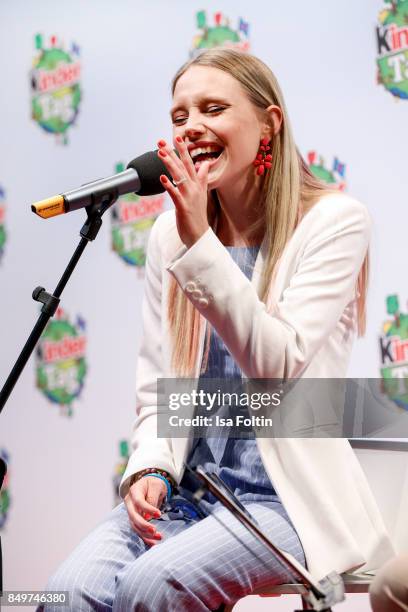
(147, 449)
(280, 343)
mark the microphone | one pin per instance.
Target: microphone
(141, 176)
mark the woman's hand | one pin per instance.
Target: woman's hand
(189, 197)
(142, 502)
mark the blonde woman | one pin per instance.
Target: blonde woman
(260, 271)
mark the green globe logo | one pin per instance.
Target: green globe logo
(61, 365)
(332, 176)
(5, 499)
(3, 234)
(392, 48)
(394, 354)
(55, 86)
(132, 218)
(219, 35)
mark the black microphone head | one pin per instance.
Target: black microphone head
(149, 167)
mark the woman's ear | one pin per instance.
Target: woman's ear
(274, 124)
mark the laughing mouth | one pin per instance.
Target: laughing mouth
(209, 153)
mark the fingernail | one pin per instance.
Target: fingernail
(162, 143)
(164, 179)
(148, 516)
(162, 153)
(179, 139)
(157, 536)
(158, 513)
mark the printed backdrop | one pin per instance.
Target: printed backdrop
(85, 88)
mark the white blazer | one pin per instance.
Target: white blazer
(306, 329)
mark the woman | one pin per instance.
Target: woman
(259, 272)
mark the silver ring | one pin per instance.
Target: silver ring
(182, 180)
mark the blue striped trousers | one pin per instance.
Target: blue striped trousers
(197, 566)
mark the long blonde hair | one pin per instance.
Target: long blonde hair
(289, 191)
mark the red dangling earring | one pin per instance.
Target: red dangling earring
(263, 159)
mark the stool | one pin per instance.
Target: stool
(353, 583)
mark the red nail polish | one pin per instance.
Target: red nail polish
(162, 153)
(157, 536)
(163, 179)
(179, 139)
(162, 143)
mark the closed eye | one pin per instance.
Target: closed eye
(215, 109)
(178, 120)
(212, 110)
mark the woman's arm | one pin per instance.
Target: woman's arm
(280, 343)
(149, 450)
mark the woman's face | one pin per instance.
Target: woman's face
(210, 109)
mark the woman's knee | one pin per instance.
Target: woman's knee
(63, 581)
(72, 579)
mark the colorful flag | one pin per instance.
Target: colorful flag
(243, 26)
(339, 167)
(201, 19)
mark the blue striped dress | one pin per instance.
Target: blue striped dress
(236, 460)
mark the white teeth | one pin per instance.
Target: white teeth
(199, 150)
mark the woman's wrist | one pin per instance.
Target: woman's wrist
(153, 471)
(163, 479)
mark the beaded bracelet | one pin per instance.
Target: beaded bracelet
(164, 479)
(151, 471)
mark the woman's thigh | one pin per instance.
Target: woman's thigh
(91, 571)
(216, 560)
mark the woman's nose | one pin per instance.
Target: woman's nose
(193, 126)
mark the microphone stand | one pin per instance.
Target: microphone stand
(101, 202)
(3, 469)
(321, 595)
